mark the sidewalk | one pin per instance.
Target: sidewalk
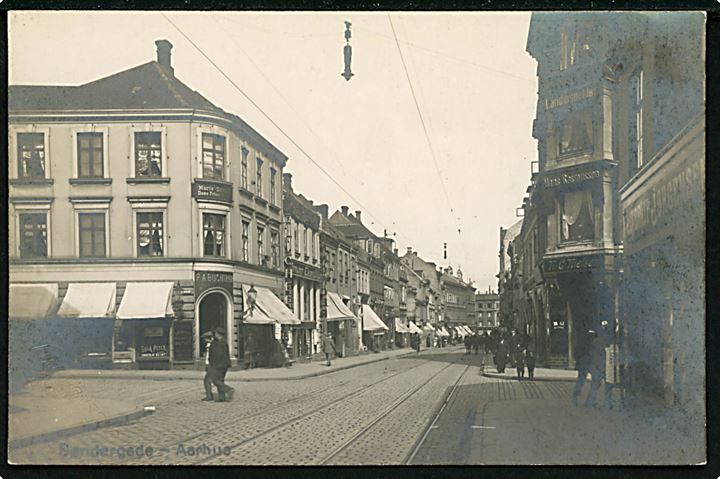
(541, 374)
(296, 371)
(33, 419)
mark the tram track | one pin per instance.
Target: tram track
(327, 405)
(386, 413)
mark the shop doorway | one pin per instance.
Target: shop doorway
(213, 315)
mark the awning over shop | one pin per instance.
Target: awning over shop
(428, 329)
(270, 310)
(400, 327)
(467, 330)
(336, 309)
(459, 331)
(371, 321)
(89, 300)
(32, 301)
(413, 328)
(444, 332)
(149, 300)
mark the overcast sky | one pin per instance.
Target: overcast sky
(475, 85)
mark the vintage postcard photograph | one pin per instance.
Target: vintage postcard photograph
(356, 238)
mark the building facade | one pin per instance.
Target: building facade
(487, 307)
(138, 181)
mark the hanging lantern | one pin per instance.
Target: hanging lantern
(347, 53)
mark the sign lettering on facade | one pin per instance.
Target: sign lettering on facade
(571, 264)
(563, 100)
(211, 191)
(213, 279)
(570, 178)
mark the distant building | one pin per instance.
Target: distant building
(487, 310)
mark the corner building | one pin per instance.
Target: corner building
(138, 183)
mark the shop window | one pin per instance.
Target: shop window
(577, 218)
(150, 234)
(244, 168)
(575, 133)
(31, 155)
(213, 235)
(33, 235)
(213, 156)
(90, 155)
(148, 154)
(91, 233)
(246, 241)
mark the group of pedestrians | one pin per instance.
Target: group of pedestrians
(513, 350)
(475, 343)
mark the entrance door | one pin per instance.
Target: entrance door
(213, 314)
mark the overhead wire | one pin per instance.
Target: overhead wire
(427, 135)
(267, 117)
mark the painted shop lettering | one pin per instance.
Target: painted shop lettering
(568, 178)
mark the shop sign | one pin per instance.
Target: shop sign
(323, 303)
(671, 196)
(183, 343)
(205, 280)
(570, 178)
(573, 97)
(578, 263)
(203, 190)
(154, 343)
(289, 288)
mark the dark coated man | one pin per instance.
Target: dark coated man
(218, 362)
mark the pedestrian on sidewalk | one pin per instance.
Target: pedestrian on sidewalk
(530, 363)
(208, 379)
(218, 364)
(520, 363)
(328, 348)
(501, 356)
(467, 341)
(586, 362)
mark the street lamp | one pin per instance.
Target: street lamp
(242, 339)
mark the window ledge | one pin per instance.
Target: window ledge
(274, 208)
(261, 201)
(90, 181)
(148, 180)
(31, 181)
(245, 192)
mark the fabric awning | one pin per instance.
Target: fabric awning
(459, 331)
(465, 330)
(371, 321)
(32, 301)
(89, 300)
(413, 328)
(470, 331)
(270, 310)
(336, 308)
(428, 328)
(400, 327)
(149, 300)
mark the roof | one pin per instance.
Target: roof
(349, 226)
(150, 86)
(510, 235)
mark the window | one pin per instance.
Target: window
(296, 230)
(258, 177)
(31, 155)
(33, 235)
(577, 216)
(563, 49)
(575, 132)
(245, 241)
(213, 235)
(149, 234)
(90, 155)
(213, 156)
(244, 168)
(148, 154)
(308, 242)
(275, 248)
(91, 228)
(272, 185)
(636, 122)
(261, 247)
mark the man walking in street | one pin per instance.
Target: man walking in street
(218, 364)
(590, 360)
(328, 348)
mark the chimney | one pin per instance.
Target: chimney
(323, 210)
(357, 216)
(414, 253)
(287, 179)
(395, 251)
(344, 210)
(163, 54)
(409, 249)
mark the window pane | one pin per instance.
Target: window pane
(92, 234)
(33, 235)
(31, 155)
(148, 153)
